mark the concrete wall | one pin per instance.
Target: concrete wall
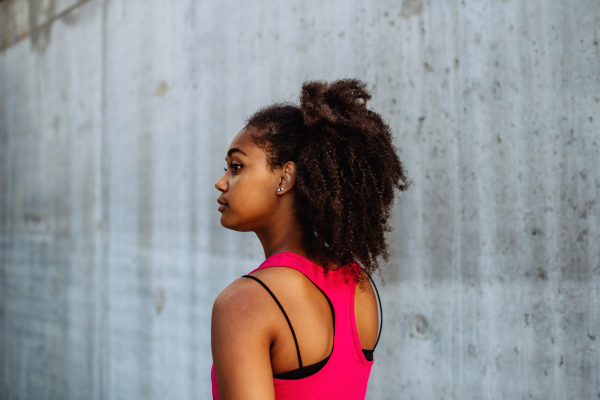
(114, 121)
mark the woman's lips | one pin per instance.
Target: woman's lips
(222, 204)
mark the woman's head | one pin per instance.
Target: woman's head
(253, 190)
(338, 167)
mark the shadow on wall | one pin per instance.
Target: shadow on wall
(34, 19)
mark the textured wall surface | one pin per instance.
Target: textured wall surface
(115, 117)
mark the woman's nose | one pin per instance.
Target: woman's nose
(221, 185)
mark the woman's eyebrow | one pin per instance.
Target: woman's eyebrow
(233, 150)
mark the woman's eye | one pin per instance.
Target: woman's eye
(234, 167)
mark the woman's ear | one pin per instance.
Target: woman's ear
(290, 173)
(288, 176)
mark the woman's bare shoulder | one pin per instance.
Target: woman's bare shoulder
(240, 310)
(241, 294)
(248, 299)
(241, 336)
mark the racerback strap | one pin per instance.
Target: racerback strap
(380, 310)
(282, 310)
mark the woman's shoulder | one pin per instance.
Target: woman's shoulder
(238, 307)
(241, 336)
(247, 295)
(245, 302)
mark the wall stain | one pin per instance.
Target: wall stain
(420, 328)
(40, 36)
(161, 89)
(70, 18)
(159, 299)
(56, 122)
(5, 23)
(32, 218)
(472, 351)
(411, 8)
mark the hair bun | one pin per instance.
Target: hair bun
(338, 102)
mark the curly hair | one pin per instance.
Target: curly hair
(347, 170)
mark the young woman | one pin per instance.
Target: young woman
(315, 182)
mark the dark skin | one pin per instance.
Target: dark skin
(250, 338)
(256, 205)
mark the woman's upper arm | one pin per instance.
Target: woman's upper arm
(241, 336)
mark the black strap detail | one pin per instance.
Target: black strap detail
(381, 312)
(303, 372)
(282, 310)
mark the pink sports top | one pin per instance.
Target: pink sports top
(345, 372)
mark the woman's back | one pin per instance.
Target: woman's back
(333, 361)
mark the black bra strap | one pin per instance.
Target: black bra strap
(282, 310)
(380, 308)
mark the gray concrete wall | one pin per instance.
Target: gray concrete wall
(114, 121)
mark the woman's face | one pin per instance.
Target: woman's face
(248, 186)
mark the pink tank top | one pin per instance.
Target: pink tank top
(346, 372)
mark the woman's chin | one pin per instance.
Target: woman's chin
(224, 222)
(235, 226)
(227, 223)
